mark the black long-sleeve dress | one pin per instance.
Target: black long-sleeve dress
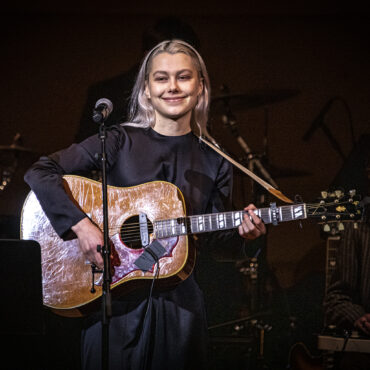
(173, 334)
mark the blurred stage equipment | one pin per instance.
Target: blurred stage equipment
(249, 100)
(10, 156)
(21, 310)
(224, 103)
(319, 122)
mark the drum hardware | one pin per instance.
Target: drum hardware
(10, 156)
(248, 332)
(252, 160)
(249, 100)
(15, 146)
(249, 268)
(241, 320)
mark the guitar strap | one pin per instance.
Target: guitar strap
(277, 193)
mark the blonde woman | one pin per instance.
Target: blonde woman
(168, 109)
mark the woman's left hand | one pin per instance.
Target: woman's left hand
(252, 226)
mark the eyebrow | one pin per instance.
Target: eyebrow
(178, 72)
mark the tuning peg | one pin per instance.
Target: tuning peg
(338, 193)
(355, 225)
(326, 228)
(352, 192)
(324, 194)
(340, 226)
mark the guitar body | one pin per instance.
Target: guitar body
(66, 275)
(300, 358)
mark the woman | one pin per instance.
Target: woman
(169, 99)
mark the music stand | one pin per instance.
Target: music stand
(21, 309)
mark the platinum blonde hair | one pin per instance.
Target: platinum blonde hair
(141, 112)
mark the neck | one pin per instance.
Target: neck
(172, 127)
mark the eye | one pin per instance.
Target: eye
(160, 78)
(184, 77)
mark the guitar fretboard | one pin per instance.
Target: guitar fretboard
(225, 220)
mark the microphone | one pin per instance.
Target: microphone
(318, 121)
(103, 108)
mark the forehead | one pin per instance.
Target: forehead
(171, 62)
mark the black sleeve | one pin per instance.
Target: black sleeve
(45, 178)
(221, 201)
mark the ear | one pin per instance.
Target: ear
(201, 86)
(146, 91)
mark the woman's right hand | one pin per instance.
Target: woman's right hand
(89, 237)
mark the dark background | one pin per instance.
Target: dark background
(52, 52)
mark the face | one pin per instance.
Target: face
(173, 86)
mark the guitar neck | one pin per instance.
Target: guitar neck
(226, 220)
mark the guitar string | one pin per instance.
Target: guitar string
(169, 222)
(133, 229)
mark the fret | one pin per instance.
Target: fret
(229, 220)
(258, 213)
(221, 221)
(201, 227)
(225, 220)
(183, 226)
(264, 215)
(207, 222)
(299, 211)
(194, 225)
(158, 229)
(269, 212)
(237, 218)
(173, 227)
(288, 213)
(167, 228)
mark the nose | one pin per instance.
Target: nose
(173, 86)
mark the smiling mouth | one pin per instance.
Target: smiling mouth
(174, 99)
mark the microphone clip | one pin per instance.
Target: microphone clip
(103, 108)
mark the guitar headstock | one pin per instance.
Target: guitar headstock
(334, 208)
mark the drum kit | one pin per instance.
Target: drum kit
(253, 323)
(226, 103)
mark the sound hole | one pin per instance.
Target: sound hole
(130, 232)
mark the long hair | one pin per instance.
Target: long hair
(141, 112)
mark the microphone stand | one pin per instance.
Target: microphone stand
(106, 252)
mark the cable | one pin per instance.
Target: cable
(347, 334)
(148, 308)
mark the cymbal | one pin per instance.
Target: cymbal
(252, 99)
(15, 148)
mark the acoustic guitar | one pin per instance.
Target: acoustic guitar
(143, 220)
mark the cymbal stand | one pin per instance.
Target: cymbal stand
(7, 175)
(8, 170)
(229, 120)
(249, 268)
(263, 328)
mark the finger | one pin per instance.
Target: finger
(257, 222)
(248, 230)
(255, 219)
